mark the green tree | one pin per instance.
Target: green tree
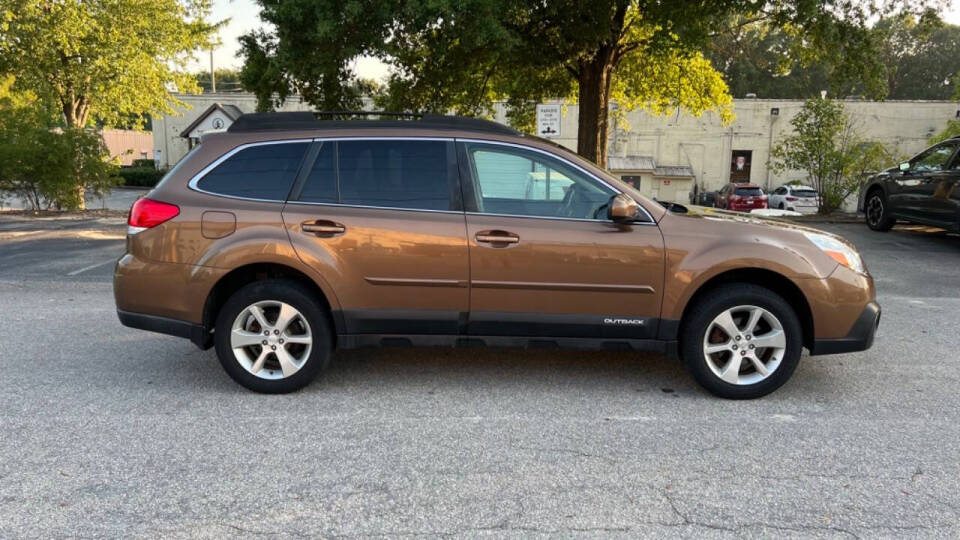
(460, 56)
(920, 54)
(826, 146)
(915, 58)
(103, 60)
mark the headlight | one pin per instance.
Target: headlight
(838, 251)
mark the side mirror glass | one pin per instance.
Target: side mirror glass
(905, 166)
(622, 208)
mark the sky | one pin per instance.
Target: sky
(243, 15)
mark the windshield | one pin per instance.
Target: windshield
(749, 191)
(805, 193)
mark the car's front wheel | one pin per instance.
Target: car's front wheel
(272, 337)
(878, 215)
(741, 341)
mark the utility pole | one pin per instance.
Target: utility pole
(213, 76)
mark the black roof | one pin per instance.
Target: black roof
(304, 120)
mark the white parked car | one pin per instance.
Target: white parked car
(801, 199)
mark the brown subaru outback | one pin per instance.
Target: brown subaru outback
(293, 234)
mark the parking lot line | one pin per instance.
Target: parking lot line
(91, 267)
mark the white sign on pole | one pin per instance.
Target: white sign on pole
(548, 120)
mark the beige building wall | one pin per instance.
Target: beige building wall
(704, 144)
(127, 145)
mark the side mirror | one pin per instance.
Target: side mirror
(622, 208)
(905, 166)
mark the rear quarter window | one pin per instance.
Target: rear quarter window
(257, 172)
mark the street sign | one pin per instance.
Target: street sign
(548, 120)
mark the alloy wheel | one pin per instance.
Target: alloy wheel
(874, 210)
(271, 339)
(744, 345)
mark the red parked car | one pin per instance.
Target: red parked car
(741, 197)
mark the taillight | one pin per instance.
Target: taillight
(791, 198)
(147, 213)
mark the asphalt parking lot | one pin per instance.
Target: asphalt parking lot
(109, 431)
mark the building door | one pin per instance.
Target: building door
(740, 165)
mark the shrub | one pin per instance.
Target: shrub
(48, 167)
(144, 164)
(139, 176)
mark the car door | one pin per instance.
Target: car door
(914, 187)
(381, 220)
(941, 203)
(722, 197)
(778, 197)
(548, 262)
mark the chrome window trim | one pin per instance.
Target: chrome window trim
(195, 180)
(550, 218)
(192, 184)
(567, 162)
(364, 206)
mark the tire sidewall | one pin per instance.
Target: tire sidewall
(300, 298)
(713, 304)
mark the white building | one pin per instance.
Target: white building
(665, 156)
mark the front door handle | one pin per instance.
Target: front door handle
(323, 228)
(497, 237)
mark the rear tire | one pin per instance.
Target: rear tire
(273, 337)
(735, 370)
(781, 206)
(877, 212)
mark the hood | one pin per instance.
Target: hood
(752, 220)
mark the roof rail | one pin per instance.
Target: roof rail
(305, 120)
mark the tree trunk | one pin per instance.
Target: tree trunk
(75, 111)
(594, 80)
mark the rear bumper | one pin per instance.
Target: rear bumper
(164, 325)
(860, 337)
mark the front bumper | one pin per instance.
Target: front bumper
(860, 337)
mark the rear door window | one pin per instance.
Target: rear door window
(407, 174)
(264, 172)
(748, 192)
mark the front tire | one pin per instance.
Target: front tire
(272, 336)
(877, 213)
(741, 341)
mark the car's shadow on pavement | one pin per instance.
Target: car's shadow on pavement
(463, 371)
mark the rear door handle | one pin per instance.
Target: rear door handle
(323, 228)
(497, 237)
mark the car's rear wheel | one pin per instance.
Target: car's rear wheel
(272, 337)
(781, 206)
(877, 213)
(741, 341)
